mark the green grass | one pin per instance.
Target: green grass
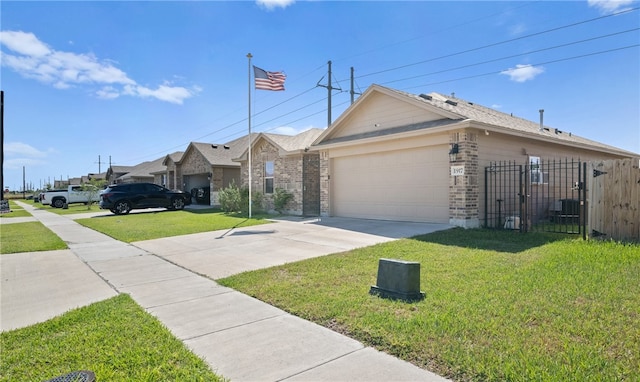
(76, 208)
(28, 237)
(16, 211)
(499, 306)
(114, 338)
(153, 225)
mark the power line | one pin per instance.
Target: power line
(531, 65)
(512, 56)
(438, 72)
(500, 42)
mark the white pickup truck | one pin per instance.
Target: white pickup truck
(74, 194)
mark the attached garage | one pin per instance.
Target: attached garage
(406, 185)
(399, 156)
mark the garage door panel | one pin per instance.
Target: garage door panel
(407, 185)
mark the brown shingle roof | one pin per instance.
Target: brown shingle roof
(295, 142)
(456, 110)
(472, 111)
(222, 154)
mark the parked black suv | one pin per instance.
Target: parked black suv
(122, 198)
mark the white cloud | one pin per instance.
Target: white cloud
(272, 4)
(173, 94)
(19, 148)
(108, 92)
(288, 130)
(18, 163)
(610, 6)
(21, 154)
(517, 29)
(24, 43)
(522, 73)
(34, 59)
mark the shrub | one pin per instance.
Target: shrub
(230, 200)
(281, 198)
(236, 199)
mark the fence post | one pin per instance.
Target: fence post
(584, 200)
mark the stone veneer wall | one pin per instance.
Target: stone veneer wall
(287, 175)
(195, 163)
(325, 184)
(464, 190)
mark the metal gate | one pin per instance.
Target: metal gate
(538, 195)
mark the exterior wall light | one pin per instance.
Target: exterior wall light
(453, 153)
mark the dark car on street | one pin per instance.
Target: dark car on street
(122, 198)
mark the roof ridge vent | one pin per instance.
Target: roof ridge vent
(426, 96)
(450, 102)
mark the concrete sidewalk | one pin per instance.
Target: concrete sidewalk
(241, 338)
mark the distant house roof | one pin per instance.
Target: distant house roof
(456, 111)
(142, 170)
(287, 144)
(221, 154)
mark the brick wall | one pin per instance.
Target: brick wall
(324, 184)
(287, 175)
(464, 190)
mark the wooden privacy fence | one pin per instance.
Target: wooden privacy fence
(614, 199)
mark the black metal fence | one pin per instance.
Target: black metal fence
(539, 195)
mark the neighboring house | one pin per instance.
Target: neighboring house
(388, 156)
(206, 166)
(115, 172)
(142, 172)
(167, 177)
(285, 162)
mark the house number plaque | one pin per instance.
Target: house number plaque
(457, 170)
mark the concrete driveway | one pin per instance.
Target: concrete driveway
(224, 253)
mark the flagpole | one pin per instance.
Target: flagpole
(249, 56)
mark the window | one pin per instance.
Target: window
(535, 166)
(268, 177)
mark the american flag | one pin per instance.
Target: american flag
(268, 80)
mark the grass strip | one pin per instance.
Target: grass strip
(115, 338)
(28, 237)
(16, 211)
(153, 225)
(499, 305)
(76, 208)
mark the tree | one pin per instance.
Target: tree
(92, 189)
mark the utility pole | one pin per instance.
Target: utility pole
(329, 89)
(99, 165)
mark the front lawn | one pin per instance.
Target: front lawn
(499, 305)
(76, 208)
(28, 237)
(16, 211)
(115, 338)
(153, 225)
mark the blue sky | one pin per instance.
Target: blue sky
(133, 81)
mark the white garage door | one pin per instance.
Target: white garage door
(406, 185)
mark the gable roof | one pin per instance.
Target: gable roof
(286, 144)
(174, 157)
(458, 113)
(144, 170)
(220, 154)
